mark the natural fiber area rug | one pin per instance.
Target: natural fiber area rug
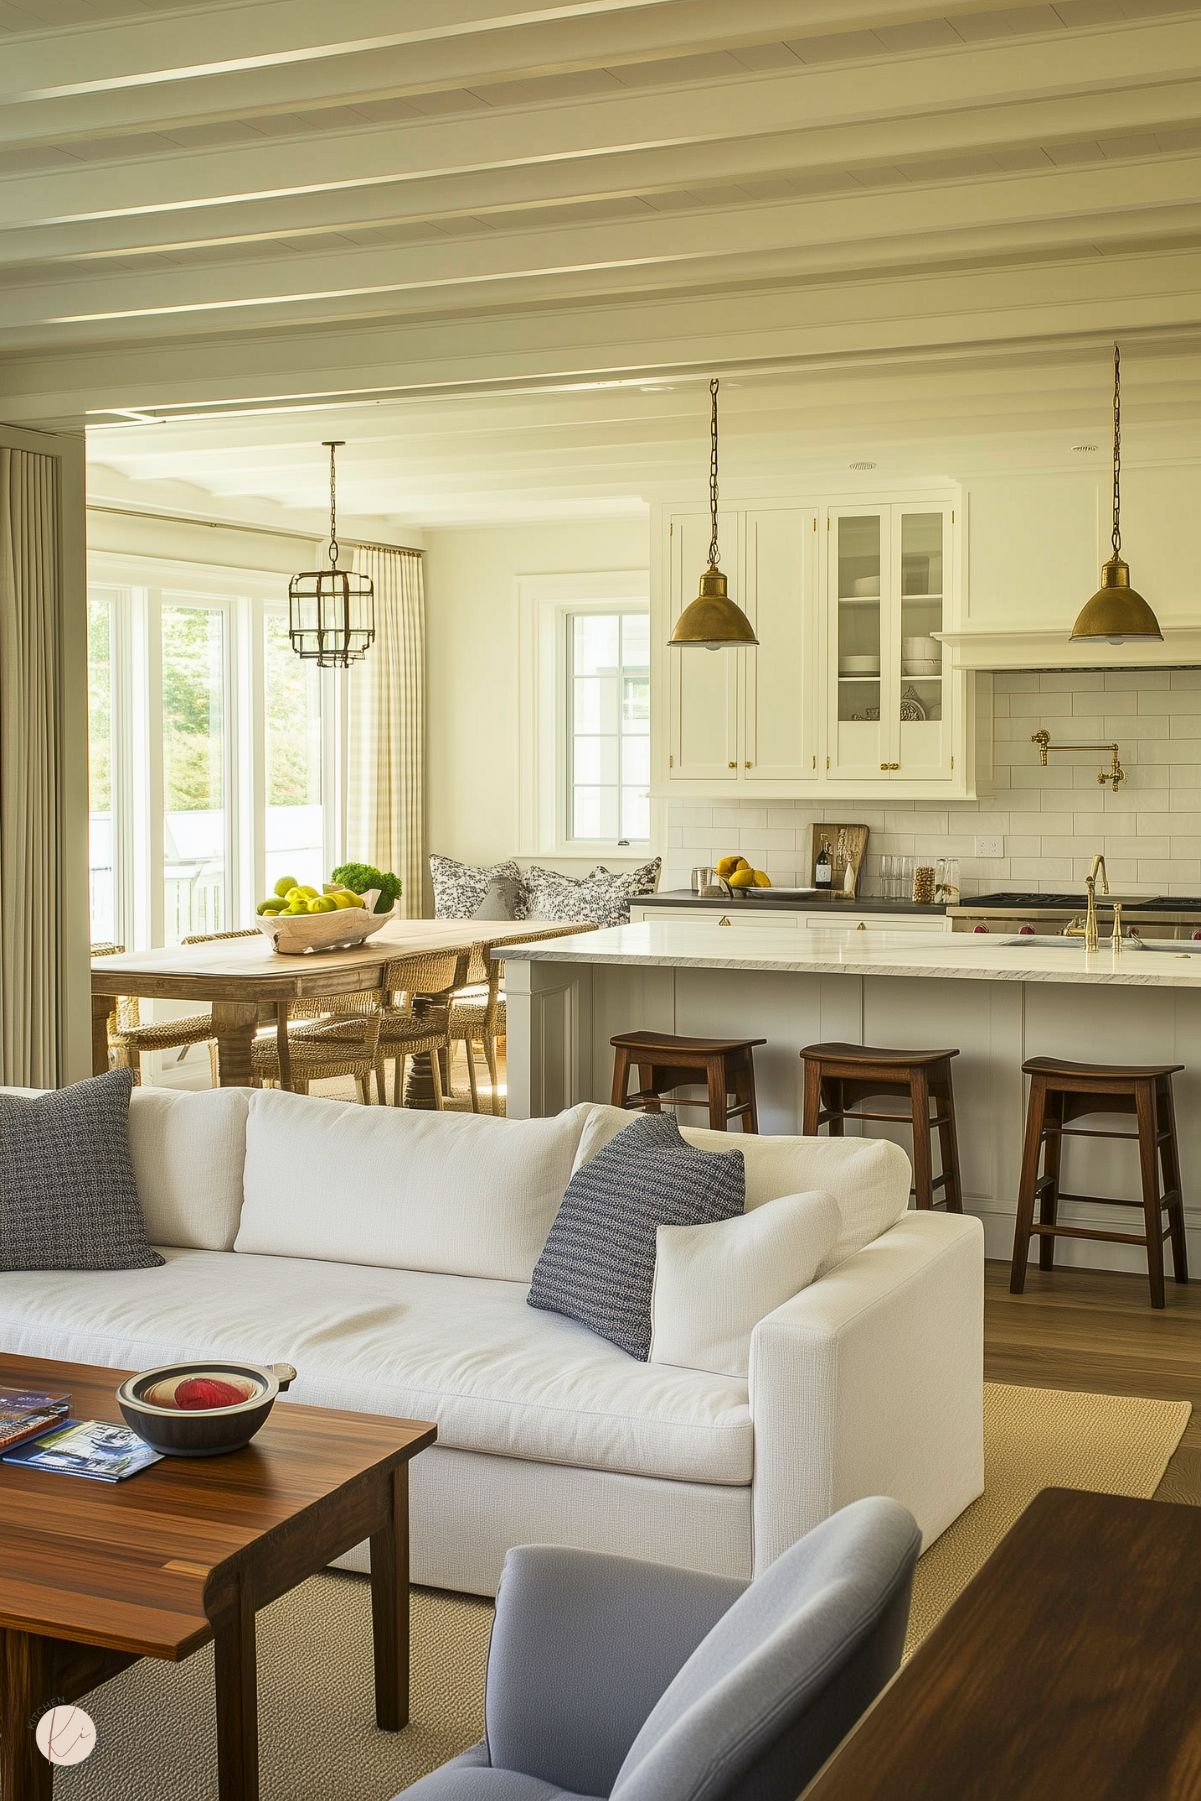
(319, 1741)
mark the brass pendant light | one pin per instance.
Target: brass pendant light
(1116, 612)
(713, 621)
(331, 612)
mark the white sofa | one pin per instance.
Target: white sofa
(387, 1254)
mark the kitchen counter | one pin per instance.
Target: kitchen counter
(773, 900)
(688, 944)
(993, 1003)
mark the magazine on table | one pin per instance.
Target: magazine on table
(97, 1449)
(28, 1412)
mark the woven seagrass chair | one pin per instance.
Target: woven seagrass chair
(417, 1016)
(128, 1037)
(343, 1041)
(478, 1012)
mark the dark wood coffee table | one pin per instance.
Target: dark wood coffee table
(93, 1577)
(1067, 1667)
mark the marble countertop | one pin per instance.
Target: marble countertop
(687, 943)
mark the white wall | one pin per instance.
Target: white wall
(472, 661)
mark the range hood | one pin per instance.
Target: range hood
(1050, 647)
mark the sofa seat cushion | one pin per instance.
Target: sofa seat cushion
(497, 1376)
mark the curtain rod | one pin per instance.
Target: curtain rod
(232, 525)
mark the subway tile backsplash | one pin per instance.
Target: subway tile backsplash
(1051, 821)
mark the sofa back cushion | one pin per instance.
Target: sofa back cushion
(463, 1194)
(187, 1151)
(868, 1177)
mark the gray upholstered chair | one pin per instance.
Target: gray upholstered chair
(610, 1678)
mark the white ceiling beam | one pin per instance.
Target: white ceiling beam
(1066, 206)
(1153, 293)
(1005, 126)
(702, 113)
(535, 47)
(183, 44)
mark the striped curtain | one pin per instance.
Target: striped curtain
(385, 811)
(32, 865)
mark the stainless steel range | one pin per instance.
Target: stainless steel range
(1160, 916)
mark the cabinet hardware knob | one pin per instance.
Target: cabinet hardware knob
(732, 764)
(747, 764)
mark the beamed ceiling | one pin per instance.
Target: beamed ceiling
(500, 251)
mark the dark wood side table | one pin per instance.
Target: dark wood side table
(1068, 1667)
(93, 1577)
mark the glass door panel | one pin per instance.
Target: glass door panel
(294, 816)
(859, 673)
(195, 808)
(102, 848)
(920, 692)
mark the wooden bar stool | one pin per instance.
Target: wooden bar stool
(1061, 1092)
(724, 1065)
(840, 1076)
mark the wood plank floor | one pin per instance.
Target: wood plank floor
(1095, 1331)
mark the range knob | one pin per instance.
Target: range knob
(1196, 936)
(1025, 931)
(979, 928)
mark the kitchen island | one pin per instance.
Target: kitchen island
(996, 1002)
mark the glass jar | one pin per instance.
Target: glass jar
(922, 891)
(946, 882)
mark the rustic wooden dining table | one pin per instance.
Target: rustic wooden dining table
(248, 984)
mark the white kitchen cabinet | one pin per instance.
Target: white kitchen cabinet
(779, 723)
(848, 692)
(704, 686)
(890, 702)
(738, 716)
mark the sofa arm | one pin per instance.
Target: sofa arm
(583, 1646)
(871, 1382)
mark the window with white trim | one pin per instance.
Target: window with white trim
(584, 716)
(215, 751)
(608, 724)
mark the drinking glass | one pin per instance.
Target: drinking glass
(904, 878)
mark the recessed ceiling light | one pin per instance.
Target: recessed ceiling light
(861, 465)
(1083, 449)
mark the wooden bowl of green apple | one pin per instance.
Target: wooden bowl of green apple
(298, 918)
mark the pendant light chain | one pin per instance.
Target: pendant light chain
(714, 554)
(333, 504)
(1116, 534)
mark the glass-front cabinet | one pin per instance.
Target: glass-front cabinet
(887, 709)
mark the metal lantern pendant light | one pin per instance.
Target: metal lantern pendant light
(331, 612)
(713, 620)
(1116, 612)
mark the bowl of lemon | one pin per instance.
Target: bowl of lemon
(298, 918)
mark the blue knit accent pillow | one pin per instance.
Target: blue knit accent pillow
(598, 1264)
(68, 1196)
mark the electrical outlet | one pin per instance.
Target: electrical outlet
(990, 847)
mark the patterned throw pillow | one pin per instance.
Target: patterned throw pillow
(598, 898)
(459, 888)
(68, 1197)
(598, 1264)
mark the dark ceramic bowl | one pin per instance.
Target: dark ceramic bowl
(201, 1431)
